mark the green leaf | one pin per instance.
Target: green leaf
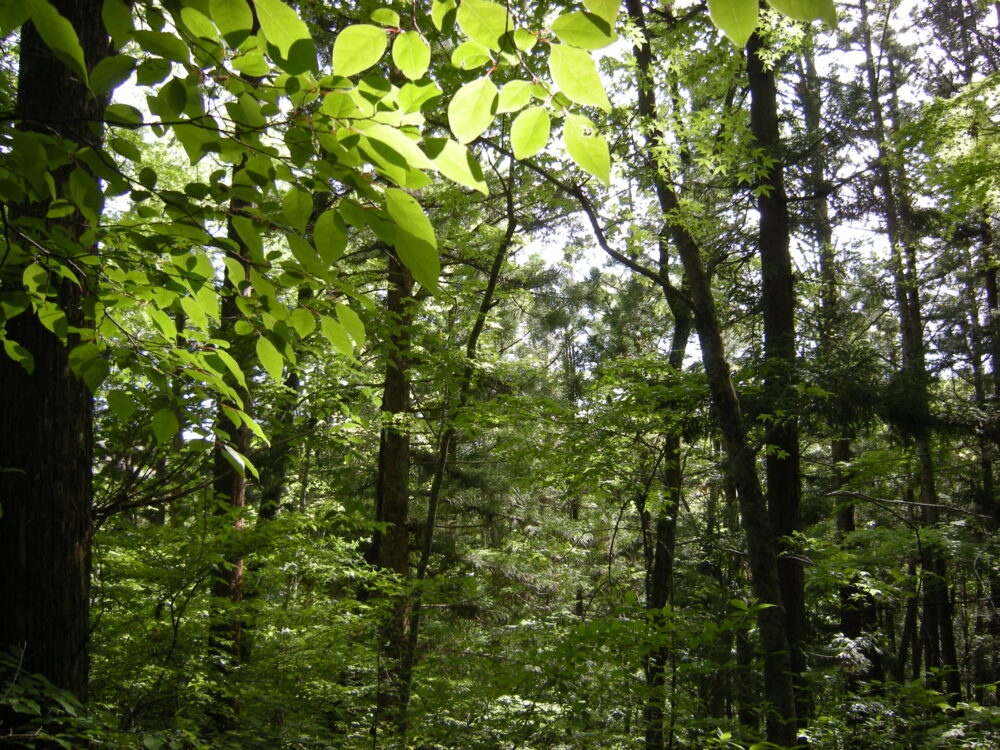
(122, 114)
(357, 48)
(163, 44)
(524, 40)
(303, 252)
(330, 236)
(807, 10)
(199, 24)
(469, 56)
(408, 215)
(443, 14)
(336, 335)
(575, 73)
(126, 148)
(297, 206)
(411, 54)
(286, 31)
(302, 321)
(20, 355)
(386, 17)
(530, 132)
(735, 18)
(404, 151)
(165, 425)
(457, 163)
(352, 324)
(587, 148)
(117, 20)
(606, 9)
(415, 242)
(35, 279)
(58, 34)
(471, 110)
(584, 30)
(122, 404)
(484, 22)
(270, 358)
(419, 257)
(514, 95)
(233, 18)
(111, 72)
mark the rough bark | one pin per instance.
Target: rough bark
(47, 444)
(784, 484)
(391, 549)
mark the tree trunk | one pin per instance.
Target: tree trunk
(784, 484)
(392, 501)
(937, 622)
(47, 445)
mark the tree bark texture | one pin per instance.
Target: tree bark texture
(392, 501)
(46, 450)
(784, 488)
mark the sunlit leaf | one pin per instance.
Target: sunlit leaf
(587, 147)
(471, 109)
(735, 18)
(530, 132)
(575, 73)
(357, 48)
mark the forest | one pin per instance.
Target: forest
(570, 374)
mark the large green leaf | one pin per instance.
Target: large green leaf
(286, 31)
(110, 72)
(471, 110)
(352, 324)
(414, 238)
(163, 44)
(514, 95)
(357, 48)
(575, 73)
(411, 54)
(401, 147)
(117, 20)
(336, 335)
(58, 34)
(233, 18)
(530, 132)
(297, 206)
(165, 425)
(484, 22)
(270, 358)
(587, 147)
(330, 236)
(584, 30)
(409, 216)
(457, 163)
(606, 9)
(807, 10)
(735, 18)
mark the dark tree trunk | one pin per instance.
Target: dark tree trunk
(784, 488)
(392, 501)
(46, 443)
(763, 553)
(226, 645)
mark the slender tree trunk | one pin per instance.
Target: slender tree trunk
(226, 647)
(763, 553)
(47, 445)
(784, 484)
(392, 501)
(938, 624)
(447, 441)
